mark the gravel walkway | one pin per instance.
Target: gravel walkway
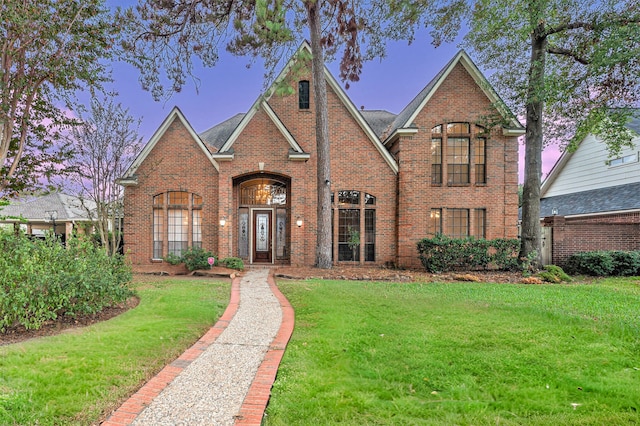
(211, 389)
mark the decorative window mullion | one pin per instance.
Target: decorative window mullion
(165, 226)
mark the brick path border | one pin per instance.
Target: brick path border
(255, 403)
(131, 408)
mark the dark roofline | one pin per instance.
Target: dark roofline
(595, 201)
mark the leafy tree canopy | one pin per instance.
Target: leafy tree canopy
(567, 66)
(48, 51)
(592, 57)
(164, 39)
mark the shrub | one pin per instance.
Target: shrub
(233, 263)
(442, 253)
(172, 259)
(604, 263)
(196, 258)
(625, 263)
(554, 274)
(42, 280)
(597, 263)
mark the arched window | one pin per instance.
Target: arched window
(355, 236)
(265, 192)
(177, 220)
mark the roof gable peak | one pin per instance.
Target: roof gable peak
(408, 115)
(175, 113)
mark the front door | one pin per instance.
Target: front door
(262, 236)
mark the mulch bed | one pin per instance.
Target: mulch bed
(385, 274)
(50, 328)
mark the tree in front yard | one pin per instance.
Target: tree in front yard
(48, 50)
(104, 144)
(168, 35)
(570, 67)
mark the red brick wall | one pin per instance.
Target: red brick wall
(176, 163)
(355, 165)
(458, 99)
(606, 232)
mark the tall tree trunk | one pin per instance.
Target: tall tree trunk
(323, 237)
(530, 243)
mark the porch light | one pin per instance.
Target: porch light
(223, 221)
(299, 221)
(554, 211)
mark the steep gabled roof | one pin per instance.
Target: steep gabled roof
(217, 135)
(408, 115)
(129, 177)
(68, 208)
(378, 119)
(226, 150)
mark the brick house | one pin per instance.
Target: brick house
(247, 186)
(590, 201)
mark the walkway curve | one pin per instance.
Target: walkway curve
(257, 392)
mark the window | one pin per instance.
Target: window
(457, 160)
(451, 154)
(458, 128)
(353, 233)
(349, 197)
(457, 223)
(158, 231)
(435, 220)
(436, 161)
(623, 160)
(480, 160)
(177, 231)
(369, 235)
(349, 234)
(480, 223)
(197, 228)
(263, 192)
(177, 219)
(303, 94)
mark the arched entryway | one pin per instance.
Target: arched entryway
(263, 213)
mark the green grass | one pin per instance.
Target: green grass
(460, 354)
(75, 377)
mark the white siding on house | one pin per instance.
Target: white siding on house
(587, 168)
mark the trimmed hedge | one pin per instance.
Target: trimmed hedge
(603, 263)
(42, 280)
(442, 253)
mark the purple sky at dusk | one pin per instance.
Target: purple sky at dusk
(230, 87)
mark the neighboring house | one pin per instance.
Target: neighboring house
(57, 212)
(247, 186)
(590, 202)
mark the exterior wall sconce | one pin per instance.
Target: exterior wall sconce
(223, 221)
(554, 211)
(299, 221)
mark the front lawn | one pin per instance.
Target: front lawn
(443, 354)
(76, 377)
